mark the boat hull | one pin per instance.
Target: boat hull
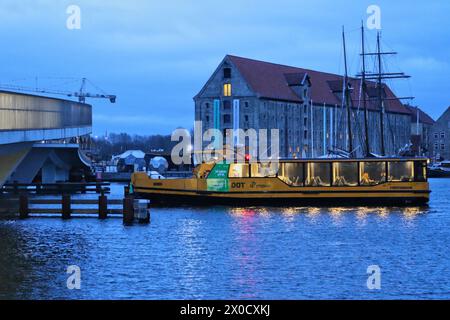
(284, 199)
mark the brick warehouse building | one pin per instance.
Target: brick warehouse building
(305, 105)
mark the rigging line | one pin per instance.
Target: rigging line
(96, 87)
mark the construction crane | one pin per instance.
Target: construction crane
(81, 94)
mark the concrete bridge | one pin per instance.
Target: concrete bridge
(34, 131)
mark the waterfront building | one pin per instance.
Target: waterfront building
(305, 105)
(421, 125)
(440, 137)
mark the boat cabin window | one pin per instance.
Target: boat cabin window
(401, 171)
(345, 174)
(292, 174)
(372, 173)
(238, 170)
(420, 171)
(264, 169)
(318, 174)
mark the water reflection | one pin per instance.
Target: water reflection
(224, 253)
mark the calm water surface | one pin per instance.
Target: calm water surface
(240, 253)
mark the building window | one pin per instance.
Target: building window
(227, 105)
(436, 146)
(207, 105)
(227, 73)
(246, 118)
(246, 104)
(227, 89)
(305, 134)
(442, 135)
(305, 92)
(436, 136)
(305, 122)
(442, 146)
(305, 109)
(207, 118)
(226, 119)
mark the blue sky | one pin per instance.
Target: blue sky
(156, 55)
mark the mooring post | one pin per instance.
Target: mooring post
(66, 207)
(102, 206)
(98, 186)
(16, 187)
(23, 206)
(144, 211)
(128, 210)
(38, 187)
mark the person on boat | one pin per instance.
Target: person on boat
(365, 179)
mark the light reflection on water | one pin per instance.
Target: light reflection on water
(234, 253)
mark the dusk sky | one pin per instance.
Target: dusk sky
(156, 55)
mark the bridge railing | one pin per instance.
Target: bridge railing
(27, 112)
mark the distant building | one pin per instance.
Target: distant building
(305, 105)
(130, 161)
(440, 137)
(421, 126)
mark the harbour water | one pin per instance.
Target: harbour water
(234, 253)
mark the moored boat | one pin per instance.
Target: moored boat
(439, 170)
(375, 181)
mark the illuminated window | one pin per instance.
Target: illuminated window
(345, 174)
(264, 169)
(372, 173)
(420, 171)
(292, 174)
(227, 89)
(401, 171)
(318, 174)
(238, 171)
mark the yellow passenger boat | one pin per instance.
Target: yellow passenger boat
(373, 181)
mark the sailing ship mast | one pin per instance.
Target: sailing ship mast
(347, 98)
(364, 90)
(379, 76)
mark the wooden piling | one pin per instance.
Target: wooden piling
(16, 187)
(128, 210)
(23, 207)
(66, 207)
(102, 206)
(98, 187)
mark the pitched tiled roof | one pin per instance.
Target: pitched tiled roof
(423, 117)
(269, 81)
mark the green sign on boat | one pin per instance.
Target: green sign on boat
(218, 178)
